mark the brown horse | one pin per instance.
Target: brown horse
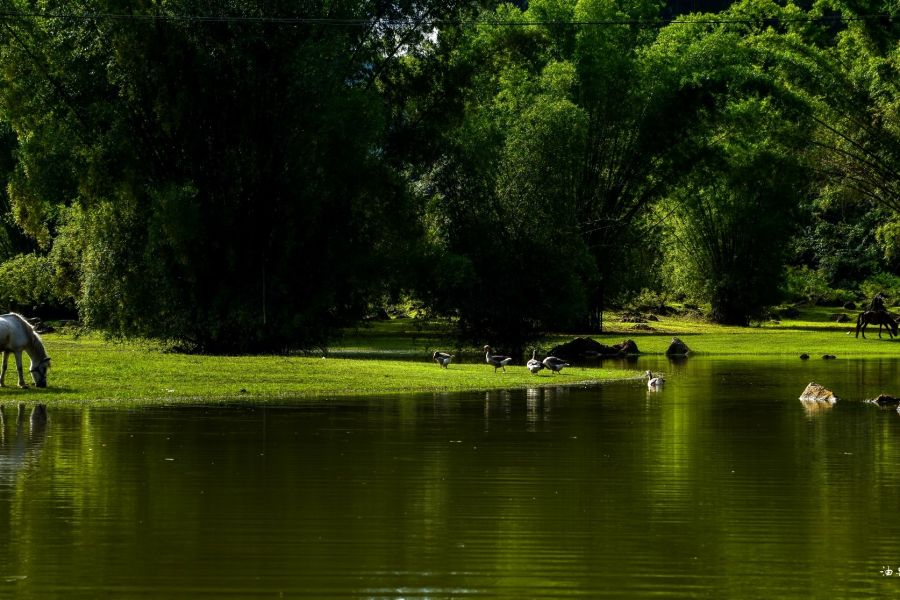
(876, 317)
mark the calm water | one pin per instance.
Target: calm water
(723, 485)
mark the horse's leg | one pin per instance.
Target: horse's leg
(22, 383)
(879, 331)
(3, 367)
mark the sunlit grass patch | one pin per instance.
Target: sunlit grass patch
(89, 369)
(812, 332)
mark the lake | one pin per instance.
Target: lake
(722, 485)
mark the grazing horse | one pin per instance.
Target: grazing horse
(876, 317)
(16, 335)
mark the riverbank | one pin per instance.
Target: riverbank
(393, 357)
(87, 369)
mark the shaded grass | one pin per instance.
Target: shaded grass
(88, 369)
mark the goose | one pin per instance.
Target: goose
(653, 382)
(498, 362)
(442, 358)
(555, 364)
(534, 365)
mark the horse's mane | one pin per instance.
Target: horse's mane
(35, 339)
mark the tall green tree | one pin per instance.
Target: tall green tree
(217, 184)
(568, 133)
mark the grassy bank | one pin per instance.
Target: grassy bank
(813, 333)
(88, 369)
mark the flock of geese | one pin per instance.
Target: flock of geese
(551, 363)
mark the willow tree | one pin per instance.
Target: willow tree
(217, 184)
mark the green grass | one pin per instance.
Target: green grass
(88, 369)
(813, 333)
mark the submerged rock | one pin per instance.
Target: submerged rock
(804, 356)
(828, 356)
(817, 393)
(885, 401)
(677, 347)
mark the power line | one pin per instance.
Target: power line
(14, 14)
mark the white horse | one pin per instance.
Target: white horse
(16, 335)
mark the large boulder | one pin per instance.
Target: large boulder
(588, 347)
(817, 393)
(840, 318)
(627, 347)
(850, 306)
(677, 347)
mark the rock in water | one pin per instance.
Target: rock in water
(677, 347)
(885, 401)
(804, 356)
(816, 393)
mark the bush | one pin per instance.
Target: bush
(884, 283)
(26, 281)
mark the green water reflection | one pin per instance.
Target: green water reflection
(721, 485)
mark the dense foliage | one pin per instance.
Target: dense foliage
(253, 184)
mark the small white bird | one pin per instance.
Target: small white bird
(442, 358)
(555, 364)
(498, 362)
(653, 382)
(534, 365)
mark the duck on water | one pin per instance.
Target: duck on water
(654, 382)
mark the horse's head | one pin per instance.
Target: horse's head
(39, 372)
(894, 326)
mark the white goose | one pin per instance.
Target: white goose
(555, 364)
(534, 365)
(498, 362)
(654, 382)
(442, 358)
